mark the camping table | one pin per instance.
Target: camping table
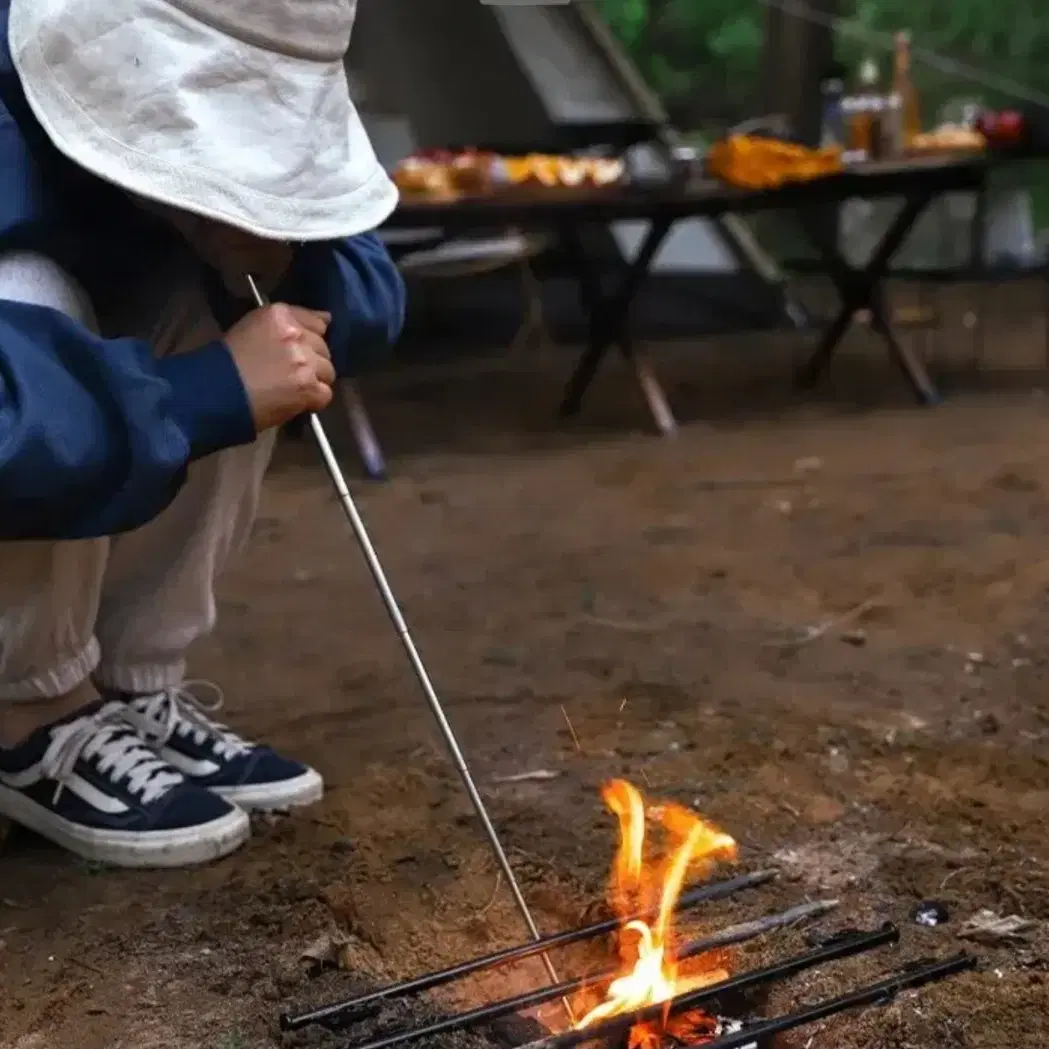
(917, 182)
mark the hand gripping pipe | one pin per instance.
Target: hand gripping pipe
(338, 480)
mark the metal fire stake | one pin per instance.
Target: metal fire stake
(378, 574)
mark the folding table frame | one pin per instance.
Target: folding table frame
(859, 289)
(917, 182)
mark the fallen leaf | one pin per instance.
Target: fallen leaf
(327, 951)
(537, 776)
(988, 928)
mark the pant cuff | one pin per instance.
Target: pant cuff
(140, 680)
(56, 682)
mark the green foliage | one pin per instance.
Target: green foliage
(703, 56)
(688, 48)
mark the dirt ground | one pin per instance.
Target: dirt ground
(825, 626)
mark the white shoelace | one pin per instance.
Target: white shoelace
(109, 739)
(181, 711)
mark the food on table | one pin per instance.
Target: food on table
(1005, 127)
(419, 176)
(763, 163)
(444, 174)
(948, 138)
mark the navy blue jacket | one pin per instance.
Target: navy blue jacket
(96, 434)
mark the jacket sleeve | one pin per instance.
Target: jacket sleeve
(96, 434)
(356, 281)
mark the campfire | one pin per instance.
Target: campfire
(662, 993)
(641, 883)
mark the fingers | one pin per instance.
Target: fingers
(319, 398)
(315, 344)
(317, 385)
(314, 321)
(319, 372)
(292, 321)
(324, 370)
(310, 339)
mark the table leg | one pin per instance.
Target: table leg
(923, 386)
(859, 289)
(363, 433)
(607, 316)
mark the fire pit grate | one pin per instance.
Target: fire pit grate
(720, 999)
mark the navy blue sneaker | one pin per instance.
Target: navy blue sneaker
(176, 722)
(90, 784)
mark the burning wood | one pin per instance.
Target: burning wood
(760, 1032)
(363, 1006)
(652, 1000)
(638, 880)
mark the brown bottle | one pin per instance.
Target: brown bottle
(865, 112)
(906, 107)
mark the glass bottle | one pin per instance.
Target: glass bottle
(865, 111)
(832, 94)
(908, 109)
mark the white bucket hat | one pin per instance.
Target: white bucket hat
(237, 110)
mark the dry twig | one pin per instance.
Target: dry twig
(751, 930)
(630, 626)
(575, 738)
(491, 901)
(814, 633)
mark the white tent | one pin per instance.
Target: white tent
(456, 73)
(461, 72)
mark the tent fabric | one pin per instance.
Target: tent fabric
(549, 82)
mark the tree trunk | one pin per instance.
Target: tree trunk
(797, 49)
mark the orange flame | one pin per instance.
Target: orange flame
(638, 885)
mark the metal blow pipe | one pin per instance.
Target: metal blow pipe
(338, 480)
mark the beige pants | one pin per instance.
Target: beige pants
(123, 610)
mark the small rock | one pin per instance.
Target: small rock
(837, 761)
(930, 913)
(857, 638)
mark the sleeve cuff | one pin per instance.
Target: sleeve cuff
(209, 401)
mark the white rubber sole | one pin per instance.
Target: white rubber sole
(185, 847)
(276, 797)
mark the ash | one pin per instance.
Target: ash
(727, 1027)
(721, 1027)
(508, 1032)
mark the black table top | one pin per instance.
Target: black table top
(701, 198)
